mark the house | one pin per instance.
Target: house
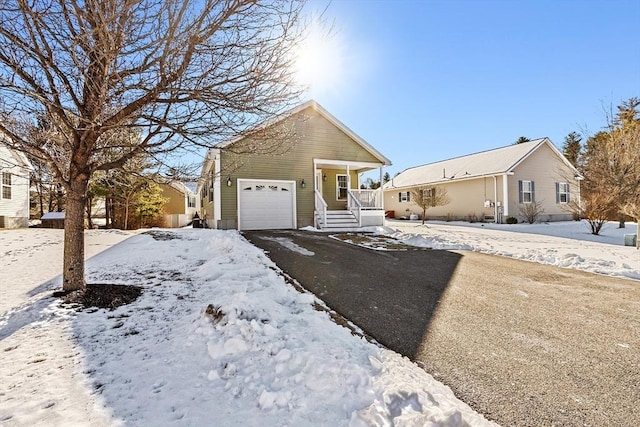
(14, 194)
(300, 169)
(180, 207)
(493, 185)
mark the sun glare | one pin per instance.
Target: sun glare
(319, 62)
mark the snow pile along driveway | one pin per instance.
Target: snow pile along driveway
(563, 244)
(262, 356)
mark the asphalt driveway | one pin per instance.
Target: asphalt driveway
(522, 343)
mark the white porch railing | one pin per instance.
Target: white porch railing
(321, 208)
(353, 204)
(368, 199)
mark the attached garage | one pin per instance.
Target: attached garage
(266, 204)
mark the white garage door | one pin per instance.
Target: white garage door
(266, 205)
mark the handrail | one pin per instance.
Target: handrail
(321, 208)
(369, 199)
(354, 205)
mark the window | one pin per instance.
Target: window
(562, 192)
(527, 191)
(404, 196)
(429, 195)
(6, 185)
(191, 202)
(341, 187)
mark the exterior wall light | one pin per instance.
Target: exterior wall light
(229, 182)
(324, 176)
(302, 183)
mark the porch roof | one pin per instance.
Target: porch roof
(340, 164)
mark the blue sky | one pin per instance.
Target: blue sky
(424, 81)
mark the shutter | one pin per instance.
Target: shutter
(399, 196)
(568, 193)
(557, 192)
(533, 192)
(408, 196)
(521, 199)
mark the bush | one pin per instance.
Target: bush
(512, 220)
(472, 217)
(531, 211)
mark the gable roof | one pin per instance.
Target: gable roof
(14, 157)
(498, 161)
(324, 113)
(179, 186)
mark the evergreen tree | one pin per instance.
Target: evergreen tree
(521, 140)
(572, 148)
(386, 177)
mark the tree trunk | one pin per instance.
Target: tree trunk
(89, 203)
(107, 211)
(40, 197)
(126, 214)
(51, 193)
(73, 263)
(621, 219)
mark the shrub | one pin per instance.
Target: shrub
(512, 220)
(531, 211)
(472, 217)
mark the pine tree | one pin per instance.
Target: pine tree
(521, 140)
(572, 148)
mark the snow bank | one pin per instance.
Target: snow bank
(263, 357)
(563, 244)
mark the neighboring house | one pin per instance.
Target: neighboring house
(181, 204)
(300, 169)
(493, 185)
(14, 194)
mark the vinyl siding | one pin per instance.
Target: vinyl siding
(315, 138)
(545, 169)
(466, 198)
(177, 202)
(15, 211)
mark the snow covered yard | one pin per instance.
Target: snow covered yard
(564, 244)
(265, 357)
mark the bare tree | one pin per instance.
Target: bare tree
(177, 73)
(428, 196)
(612, 159)
(594, 208)
(531, 211)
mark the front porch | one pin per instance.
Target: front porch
(340, 205)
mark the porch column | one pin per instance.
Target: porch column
(380, 193)
(505, 196)
(348, 187)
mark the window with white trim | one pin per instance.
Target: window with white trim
(6, 185)
(341, 187)
(404, 196)
(563, 192)
(526, 192)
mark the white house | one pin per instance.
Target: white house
(14, 194)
